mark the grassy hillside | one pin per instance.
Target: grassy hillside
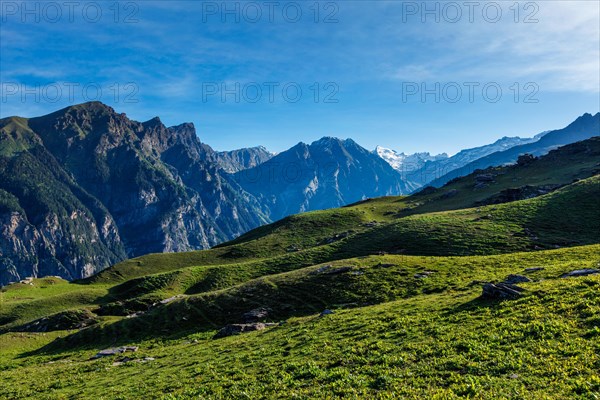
(414, 337)
(559, 167)
(301, 232)
(403, 276)
(547, 221)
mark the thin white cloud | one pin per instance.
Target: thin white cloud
(561, 52)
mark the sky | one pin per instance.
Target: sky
(411, 76)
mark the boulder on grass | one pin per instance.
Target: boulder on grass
(236, 329)
(512, 279)
(256, 315)
(501, 291)
(115, 351)
(581, 272)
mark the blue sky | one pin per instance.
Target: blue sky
(370, 60)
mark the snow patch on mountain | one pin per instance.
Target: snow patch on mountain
(402, 161)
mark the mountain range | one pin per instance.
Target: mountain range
(240, 159)
(582, 128)
(85, 187)
(484, 275)
(421, 168)
(327, 173)
(406, 162)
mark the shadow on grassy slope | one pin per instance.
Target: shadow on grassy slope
(347, 283)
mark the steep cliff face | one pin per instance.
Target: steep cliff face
(241, 159)
(327, 173)
(49, 226)
(86, 187)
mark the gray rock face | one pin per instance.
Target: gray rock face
(513, 279)
(327, 173)
(115, 351)
(581, 272)
(501, 291)
(238, 160)
(236, 329)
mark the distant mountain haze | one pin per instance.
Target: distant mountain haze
(582, 128)
(327, 173)
(406, 162)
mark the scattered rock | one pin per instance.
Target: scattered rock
(449, 194)
(581, 272)
(326, 312)
(115, 351)
(136, 314)
(424, 274)
(125, 360)
(501, 291)
(385, 265)
(371, 224)
(512, 279)
(336, 237)
(293, 248)
(330, 270)
(160, 303)
(170, 299)
(256, 315)
(236, 329)
(534, 269)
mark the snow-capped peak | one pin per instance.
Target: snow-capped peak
(392, 157)
(411, 161)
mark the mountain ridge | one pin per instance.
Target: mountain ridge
(85, 187)
(329, 172)
(584, 127)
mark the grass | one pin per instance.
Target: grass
(440, 345)
(367, 281)
(543, 222)
(559, 167)
(394, 333)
